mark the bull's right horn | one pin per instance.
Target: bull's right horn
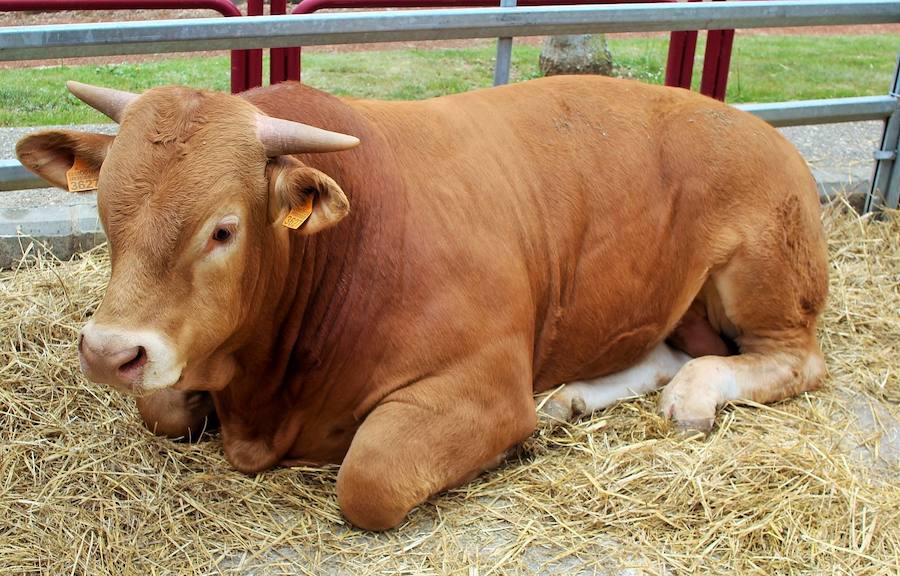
(110, 102)
(282, 137)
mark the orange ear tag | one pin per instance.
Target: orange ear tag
(298, 214)
(81, 177)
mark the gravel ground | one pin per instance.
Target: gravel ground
(841, 154)
(844, 150)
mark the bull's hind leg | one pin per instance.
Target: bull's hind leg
(769, 295)
(694, 336)
(704, 384)
(578, 398)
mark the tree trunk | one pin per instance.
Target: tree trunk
(576, 54)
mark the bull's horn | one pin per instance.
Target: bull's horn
(110, 102)
(285, 137)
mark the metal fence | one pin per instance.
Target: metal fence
(66, 41)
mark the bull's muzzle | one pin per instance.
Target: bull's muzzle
(112, 363)
(132, 361)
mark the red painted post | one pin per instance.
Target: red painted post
(724, 64)
(682, 45)
(716, 63)
(278, 57)
(254, 56)
(680, 66)
(224, 7)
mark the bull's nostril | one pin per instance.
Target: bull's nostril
(139, 359)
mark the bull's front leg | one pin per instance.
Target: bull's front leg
(178, 414)
(433, 435)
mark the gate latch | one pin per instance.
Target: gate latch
(880, 155)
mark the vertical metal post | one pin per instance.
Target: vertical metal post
(278, 56)
(885, 189)
(255, 56)
(680, 62)
(504, 52)
(716, 63)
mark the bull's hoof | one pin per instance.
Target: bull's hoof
(564, 408)
(690, 401)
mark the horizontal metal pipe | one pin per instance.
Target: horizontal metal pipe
(832, 110)
(13, 176)
(104, 39)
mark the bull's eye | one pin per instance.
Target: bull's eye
(221, 234)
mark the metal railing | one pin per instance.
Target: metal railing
(107, 39)
(22, 43)
(240, 59)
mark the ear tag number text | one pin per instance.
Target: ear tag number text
(298, 214)
(81, 177)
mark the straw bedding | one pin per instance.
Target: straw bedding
(810, 485)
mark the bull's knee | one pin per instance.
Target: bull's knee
(177, 414)
(369, 499)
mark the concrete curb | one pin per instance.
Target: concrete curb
(833, 185)
(63, 230)
(66, 230)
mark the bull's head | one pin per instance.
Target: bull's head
(191, 193)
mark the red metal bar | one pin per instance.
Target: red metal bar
(292, 64)
(724, 65)
(278, 57)
(680, 66)
(716, 63)
(254, 56)
(682, 45)
(224, 7)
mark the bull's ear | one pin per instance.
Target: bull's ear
(51, 154)
(304, 198)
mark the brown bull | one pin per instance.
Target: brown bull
(492, 245)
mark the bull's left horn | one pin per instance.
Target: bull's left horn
(285, 137)
(110, 102)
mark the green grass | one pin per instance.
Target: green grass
(764, 69)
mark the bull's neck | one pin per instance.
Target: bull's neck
(327, 290)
